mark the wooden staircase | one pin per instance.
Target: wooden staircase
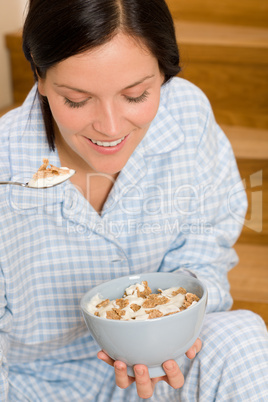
(224, 51)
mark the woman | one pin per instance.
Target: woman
(156, 189)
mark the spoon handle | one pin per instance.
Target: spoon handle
(15, 183)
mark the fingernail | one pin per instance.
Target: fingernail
(139, 371)
(119, 367)
(169, 366)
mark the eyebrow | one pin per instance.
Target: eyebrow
(87, 92)
(139, 82)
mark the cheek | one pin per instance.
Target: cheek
(146, 113)
(69, 121)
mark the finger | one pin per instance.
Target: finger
(104, 357)
(198, 345)
(174, 375)
(121, 377)
(144, 385)
(191, 353)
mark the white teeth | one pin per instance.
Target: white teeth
(108, 144)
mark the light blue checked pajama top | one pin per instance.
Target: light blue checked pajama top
(178, 203)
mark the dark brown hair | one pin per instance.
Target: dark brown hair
(57, 29)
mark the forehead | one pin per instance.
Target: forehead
(121, 42)
(122, 58)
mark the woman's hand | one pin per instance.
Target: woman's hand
(145, 385)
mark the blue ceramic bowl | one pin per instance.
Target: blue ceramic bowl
(153, 341)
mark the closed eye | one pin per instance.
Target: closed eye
(130, 99)
(138, 99)
(74, 105)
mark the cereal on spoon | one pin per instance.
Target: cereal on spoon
(49, 176)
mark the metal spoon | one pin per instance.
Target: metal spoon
(16, 183)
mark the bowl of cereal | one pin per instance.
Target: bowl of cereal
(147, 318)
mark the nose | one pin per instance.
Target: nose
(108, 120)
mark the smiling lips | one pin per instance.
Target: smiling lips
(107, 144)
(107, 148)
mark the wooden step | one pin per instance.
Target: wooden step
(247, 142)
(230, 64)
(245, 12)
(249, 279)
(250, 42)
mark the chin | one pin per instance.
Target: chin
(108, 170)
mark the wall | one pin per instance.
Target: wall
(12, 14)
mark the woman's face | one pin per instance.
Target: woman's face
(103, 102)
